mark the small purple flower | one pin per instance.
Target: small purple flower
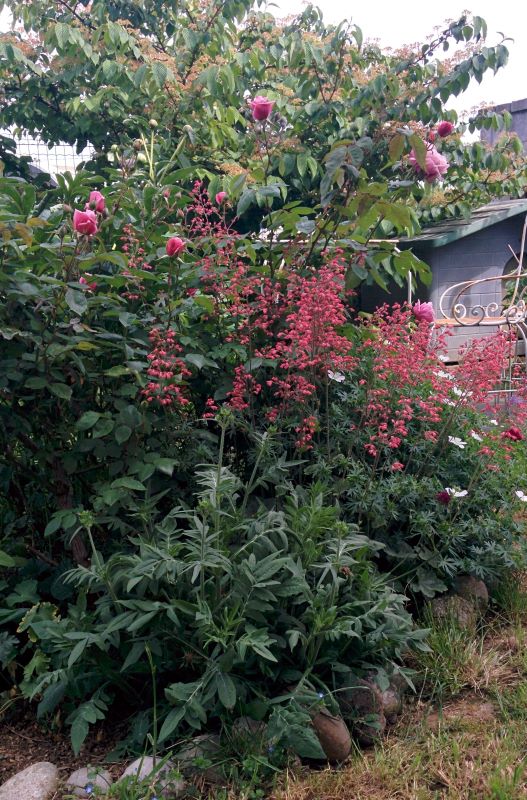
(270, 749)
(320, 695)
(89, 788)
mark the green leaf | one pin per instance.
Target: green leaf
(200, 361)
(112, 258)
(79, 732)
(60, 390)
(159, 73)
(419, 148)
(36, 383)
(396, 146)
(171, 723)
(77, 651)
(304, 742)
(301, 164)
(204, 302)
(6, 560)
(128, 483)
(246, 200)
(76, 300)
(117, 371)
(53, 526)
(102, 428)
(226, 690)
(122, 433)
(427, 582)
(87, 421)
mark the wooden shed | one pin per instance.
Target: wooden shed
(465, 251)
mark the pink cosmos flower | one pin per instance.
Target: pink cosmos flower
(423, 312)
(174, 246)
(85, 222)
(445, 128)
(96, 202)
(436, 164)
(220, 198)
(261, 107)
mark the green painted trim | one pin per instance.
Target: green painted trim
(462, 229)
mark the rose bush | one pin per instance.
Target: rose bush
(156, 411)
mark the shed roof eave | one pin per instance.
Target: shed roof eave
(450, 231)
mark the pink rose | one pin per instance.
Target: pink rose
(91, 286)
(445, 128)
(435, 164)
(261, 107)
(96, 202)
(423, 312)
(85, 222)
(220, 198)
(175, 245)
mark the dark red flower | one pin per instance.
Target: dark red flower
(512, 433)
(443, 497)
(445, 128)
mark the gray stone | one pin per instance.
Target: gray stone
(453, 608)
(37, 782)
(147, 768)
(399, 682)
(362, 708)
(245, 726)
(207, 747)
(86, 777)
(333, 735)
(391, 704)
(473, 590)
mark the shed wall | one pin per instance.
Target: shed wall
(481, 255)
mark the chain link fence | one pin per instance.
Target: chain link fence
(59, 158)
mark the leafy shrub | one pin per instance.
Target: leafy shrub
(274, 568)
(181, 305)
(233, 609)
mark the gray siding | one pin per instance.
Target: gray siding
(481, 255)
(518, 109)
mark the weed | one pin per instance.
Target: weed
(509, 597)
(456, 660)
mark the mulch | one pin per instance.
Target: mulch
(24, 741)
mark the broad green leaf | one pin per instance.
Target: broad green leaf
(102, 428)
(76, 300)
(128, 483)
(77, 651)
(87, 421)
(226, 690)
(79, 732)
(396, 146)
(171, 723)
(61, 390)
(122, 433)
(6, 560)
(419, 148)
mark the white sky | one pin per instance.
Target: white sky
(395, 23)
